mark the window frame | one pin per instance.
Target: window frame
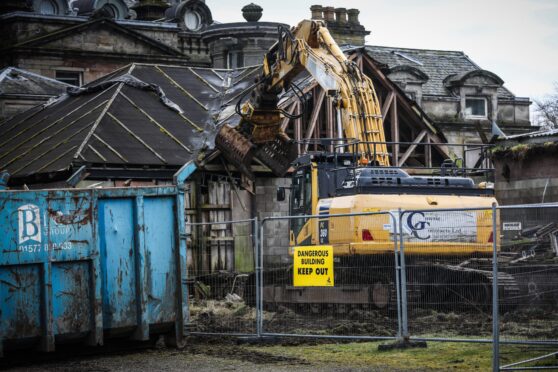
(232, 56)
(475, 98)
(78, 72)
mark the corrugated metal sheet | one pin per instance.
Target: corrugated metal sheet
(123, 125)
(537, 134)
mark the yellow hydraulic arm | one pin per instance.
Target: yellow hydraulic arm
(309, 46)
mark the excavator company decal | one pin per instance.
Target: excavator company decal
(313, 266)
(458, 226)
(418, 225)
(426, 226)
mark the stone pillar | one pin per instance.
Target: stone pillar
(341, 15)
(329, 13)
(317, 12)
(353, 16)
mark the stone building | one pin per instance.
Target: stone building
(525, 168)
(93, 37)
(199, 64)
(459, 96)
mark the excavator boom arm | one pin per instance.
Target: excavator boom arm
(309, 47)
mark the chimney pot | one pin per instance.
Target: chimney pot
(329, 13)
(353, 16)
(317, 12)
(341, 15)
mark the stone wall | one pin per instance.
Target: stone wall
(523, 181)
(276, 233)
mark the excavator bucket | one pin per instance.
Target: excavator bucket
(277, 154)
(236, 148)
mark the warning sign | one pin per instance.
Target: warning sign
(313, 266)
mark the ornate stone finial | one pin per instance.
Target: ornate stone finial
(252, 12)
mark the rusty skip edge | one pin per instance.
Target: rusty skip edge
(46, 288)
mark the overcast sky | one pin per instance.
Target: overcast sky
(516, 39)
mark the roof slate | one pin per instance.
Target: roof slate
(436, 64)
(117, 123)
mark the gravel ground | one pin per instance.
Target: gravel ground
(195, 357)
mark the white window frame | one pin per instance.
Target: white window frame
(471, 116)
(231, 55)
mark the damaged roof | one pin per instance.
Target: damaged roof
(143, 115)
(15, 81)
(437, 65)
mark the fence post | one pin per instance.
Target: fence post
(403, 279)
(397, 274)
(257, 246)
(495, 309)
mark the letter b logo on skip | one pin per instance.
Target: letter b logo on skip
(29, 221)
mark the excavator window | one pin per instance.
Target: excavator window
(301, 198)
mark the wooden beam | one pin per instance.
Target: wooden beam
(428, 153)
(359, 61)
(314, 117)
(387, 104)
(395, 132)
(412, 147)
(286, 120)
(330, 120)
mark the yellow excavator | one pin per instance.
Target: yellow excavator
(355, 178)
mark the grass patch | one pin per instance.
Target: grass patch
(439, 356)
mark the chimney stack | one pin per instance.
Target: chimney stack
(341, 15)
(329, 13)
(353, 16)
(317, 12)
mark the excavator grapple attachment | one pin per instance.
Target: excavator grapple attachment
(236, 148)
(278, 154)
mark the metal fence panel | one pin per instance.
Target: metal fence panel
(361, 301)
(528, 302)
(448, 273)
(222, 277)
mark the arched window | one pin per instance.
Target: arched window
(112, 10)
(48, 7)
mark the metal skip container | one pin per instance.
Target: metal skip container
(91, 264)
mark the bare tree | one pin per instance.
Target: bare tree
(547, 110)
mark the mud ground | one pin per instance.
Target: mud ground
(198, 355)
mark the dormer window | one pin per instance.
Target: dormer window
(476, 108)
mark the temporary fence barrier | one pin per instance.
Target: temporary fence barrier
(330, 276)
(527, 334)
(222, 277)
(485, 275)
